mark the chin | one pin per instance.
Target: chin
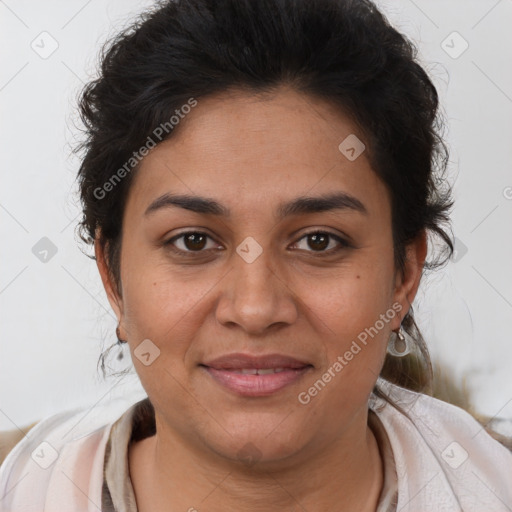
(259, 448)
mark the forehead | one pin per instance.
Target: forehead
(255, 150)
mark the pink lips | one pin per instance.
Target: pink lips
(240, 372)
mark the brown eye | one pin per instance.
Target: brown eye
(319, 241)
(191, 241)
(194, 241)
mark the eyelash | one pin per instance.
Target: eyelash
(169, 243)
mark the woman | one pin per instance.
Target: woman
(260, 181)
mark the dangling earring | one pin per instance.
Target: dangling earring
(397, 345)
(120, 343)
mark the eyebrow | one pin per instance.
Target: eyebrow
(300, 205)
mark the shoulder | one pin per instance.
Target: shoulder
(444, 456)
(57, 454)
(439, 421)
(436, 415)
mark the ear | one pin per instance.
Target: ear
(113, 297)
(407, 283)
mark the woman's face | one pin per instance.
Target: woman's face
(252, 281)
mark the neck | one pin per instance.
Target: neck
(169, 473)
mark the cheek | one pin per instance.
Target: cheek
(354, 343)
(168, 308)
(354, 314)
(161, 308)
(351, 301)
(157, 296)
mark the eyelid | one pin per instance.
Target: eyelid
(169, 243)
(343, 242)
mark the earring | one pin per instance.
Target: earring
(120, 343)
(397, 345)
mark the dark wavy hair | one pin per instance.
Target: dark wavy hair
(343, 51)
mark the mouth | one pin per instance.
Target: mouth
(255, 371)
(256, 376)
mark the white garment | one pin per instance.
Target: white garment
(445, 461)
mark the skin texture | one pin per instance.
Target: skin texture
(250, 154)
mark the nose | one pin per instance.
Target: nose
(256, 296)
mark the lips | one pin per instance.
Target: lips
(256, 376)
(239, 362)
(256, 371)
